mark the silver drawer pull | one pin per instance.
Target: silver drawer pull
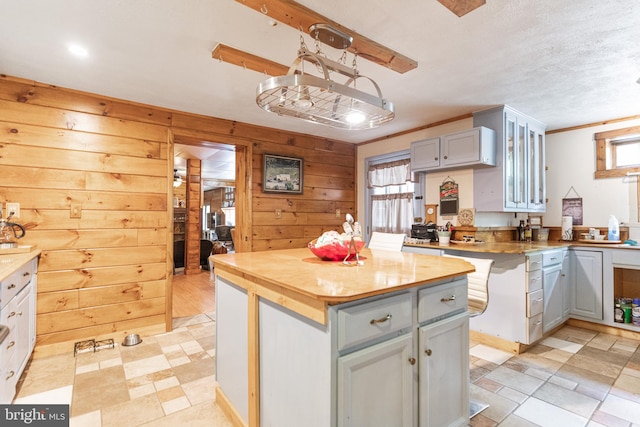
(380, 320)
(451, 298)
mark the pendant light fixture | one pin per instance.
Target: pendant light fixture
(177, 179)
(322, 99)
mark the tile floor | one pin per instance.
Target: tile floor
(574, 378)
(167, 380)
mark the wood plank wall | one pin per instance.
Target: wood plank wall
(108, 273)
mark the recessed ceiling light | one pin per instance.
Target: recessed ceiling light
(78, 50)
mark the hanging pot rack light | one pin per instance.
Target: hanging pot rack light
(321, 99)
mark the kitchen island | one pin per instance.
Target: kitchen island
(301, 341)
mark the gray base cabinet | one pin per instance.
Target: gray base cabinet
(586, 292)
(395, 360)
(18, 313)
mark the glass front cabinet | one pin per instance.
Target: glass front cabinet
(517, 183)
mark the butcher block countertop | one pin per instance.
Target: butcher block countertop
(520, 247)
(11, 262)
(332, 282)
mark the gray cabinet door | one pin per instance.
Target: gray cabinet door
(375, 385)
(586, 284)
(444, 377)
(425, 154)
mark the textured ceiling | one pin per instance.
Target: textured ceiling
(566, 63)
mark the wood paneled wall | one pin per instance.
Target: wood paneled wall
(328, 186)
(107, 273)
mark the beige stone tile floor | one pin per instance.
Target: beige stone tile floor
(574, 378)
(167, 380)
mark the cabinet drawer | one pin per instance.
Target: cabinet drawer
(551, 257)
(443, 300)
(535, 303)
(534, 262)
(369, 321)
(15, 282)
(535, 328)
(534, 280)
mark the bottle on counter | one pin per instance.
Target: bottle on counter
(521, 231)
(527, 232)
(614, 229)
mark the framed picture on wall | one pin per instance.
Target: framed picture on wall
(282, 174)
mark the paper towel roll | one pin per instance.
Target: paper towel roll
(567, 228)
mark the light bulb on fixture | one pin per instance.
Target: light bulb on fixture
(302, 99)
(355, 117)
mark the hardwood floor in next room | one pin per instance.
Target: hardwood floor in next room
(193, 294)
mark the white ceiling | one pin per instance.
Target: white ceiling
(564, 62)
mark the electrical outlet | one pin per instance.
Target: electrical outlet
(278, 213)
(76, 211)
(337, 213)
(13, 207)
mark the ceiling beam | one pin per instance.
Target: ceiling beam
(244, 59)
(462, 7)
(300, 17)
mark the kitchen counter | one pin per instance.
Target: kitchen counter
(518, 247)
(9, 263)
(297, 272)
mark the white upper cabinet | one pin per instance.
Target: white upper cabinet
(517, 184)
(470, 148)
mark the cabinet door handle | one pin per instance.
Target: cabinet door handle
(19, 313)
(25, 274)
(11, 344)
(451, 298)
(412, 360)
(446, 157)
(428, 352)
(13, 313)
(435, 158)
(12, 373)
(380, 320)
(11, 286)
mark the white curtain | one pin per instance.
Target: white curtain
(393, 173)
(392, 213)
(392, 198)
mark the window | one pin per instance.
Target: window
(618, 152)
(393, 199)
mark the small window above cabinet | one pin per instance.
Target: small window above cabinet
(467, 149)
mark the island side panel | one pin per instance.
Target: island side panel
(232, 345)
(295, 369)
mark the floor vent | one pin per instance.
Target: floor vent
(92, 346)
